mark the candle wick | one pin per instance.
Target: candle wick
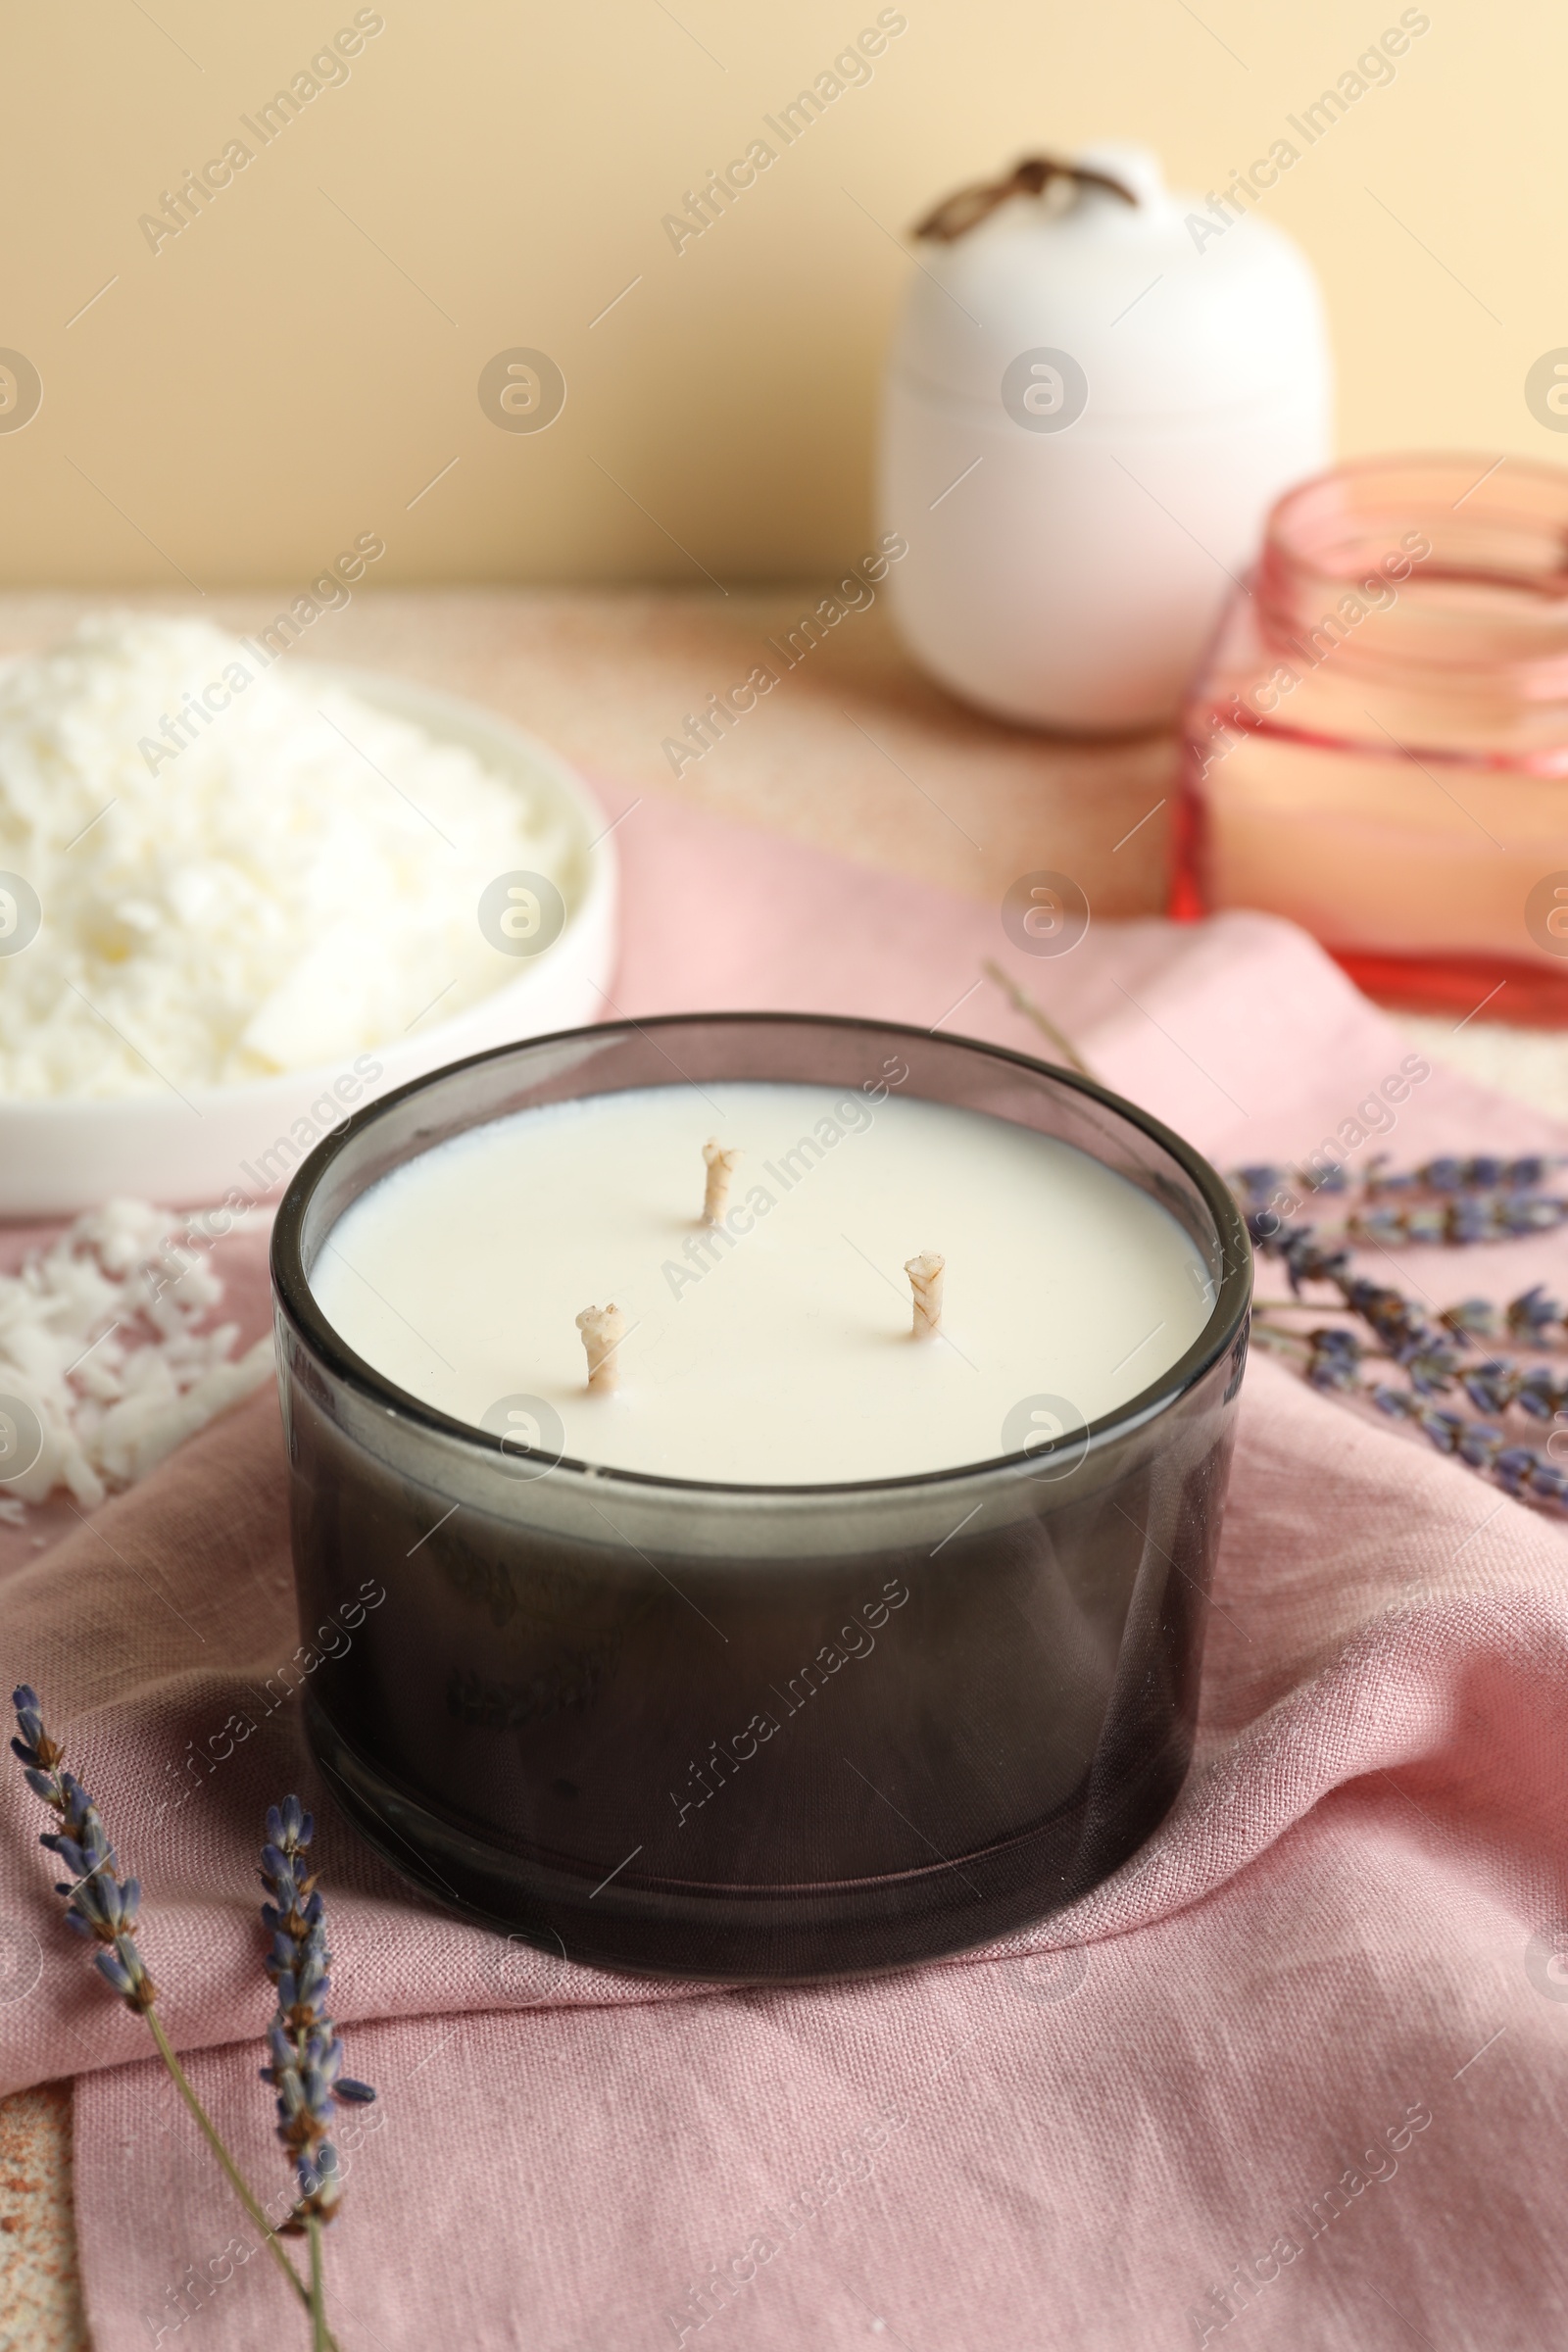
(720, 1164)
(925, 1280)
(603, 1329)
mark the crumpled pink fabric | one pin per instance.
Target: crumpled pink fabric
(1296, 2076)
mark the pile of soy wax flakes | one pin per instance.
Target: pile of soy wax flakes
(108, 1359)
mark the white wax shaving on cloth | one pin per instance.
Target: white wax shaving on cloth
(101, 1340)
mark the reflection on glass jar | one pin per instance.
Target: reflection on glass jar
(1378, 745)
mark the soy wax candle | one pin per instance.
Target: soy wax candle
(793, 1450)
(768, 1342)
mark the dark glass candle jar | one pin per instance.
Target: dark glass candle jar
(755, 1732)
(1378, 744)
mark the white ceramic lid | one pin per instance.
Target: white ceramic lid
(1163, 318)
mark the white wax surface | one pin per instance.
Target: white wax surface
(789, 1360)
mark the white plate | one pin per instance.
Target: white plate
(59, 1156)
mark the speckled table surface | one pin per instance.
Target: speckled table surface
(853, 751)
(40, 2294)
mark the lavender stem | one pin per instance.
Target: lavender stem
(320, 2339)
(236, 2181)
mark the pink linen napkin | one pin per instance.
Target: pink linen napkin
(1294, 2074)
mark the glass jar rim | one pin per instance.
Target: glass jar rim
(1486, 593)
(296, 1303)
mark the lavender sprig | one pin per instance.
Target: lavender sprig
(1333, 1360)
(1432, 1351)
(103, 1909)
(307, 2055)
(1460, 1223)
(1456, 1224)
(1523, 1470)
(1447, 1175)
(1532, 1320)
(1452, 1201)
(1334, 1357)
(1484, 1172)
(1467, 1201)
(98, 1906)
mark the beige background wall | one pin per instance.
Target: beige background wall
(297, 365)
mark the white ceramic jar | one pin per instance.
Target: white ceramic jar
(1091, 407)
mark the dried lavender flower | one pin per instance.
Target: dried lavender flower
(1490, 1386)
(99, 1906)
(1298, 1248)
(1471, 1319)
(307, 2056)
(1334, 1360)
(1532, 1314)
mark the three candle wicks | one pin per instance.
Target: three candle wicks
(603, 1328)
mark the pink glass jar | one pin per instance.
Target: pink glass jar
(1378, 744)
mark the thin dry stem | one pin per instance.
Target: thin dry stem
(319, 2338)
(237, 2179)
(1025, 1003)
